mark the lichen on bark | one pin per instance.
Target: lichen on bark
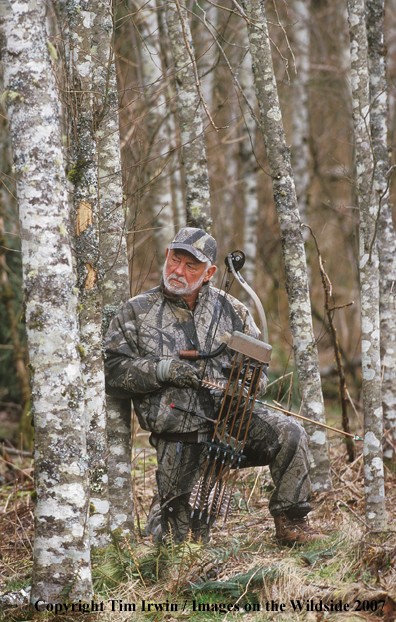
(113, 251)
(77, 20)
(304, 344)
(379, 95)
(368, 203)
(190, 111)
(61, 556)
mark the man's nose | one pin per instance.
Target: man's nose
(180, 269)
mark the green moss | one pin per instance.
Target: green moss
(81, 351)
(36, 321)
(75, 176)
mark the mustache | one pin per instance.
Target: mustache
(179, 279)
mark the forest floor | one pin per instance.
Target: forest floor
(241, 573)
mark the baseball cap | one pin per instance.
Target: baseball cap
(197, 242)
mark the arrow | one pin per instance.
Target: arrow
(211, 384)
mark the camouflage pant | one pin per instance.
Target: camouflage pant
(272, 439)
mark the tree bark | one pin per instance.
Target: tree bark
(386, 229)
(250, 180)
(189, 108)
(304, 345)
(83, 119)
(367, 200)
(300, 157)
(113, 252)
(61, 557)
(157, 153)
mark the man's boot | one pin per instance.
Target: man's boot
(291, 531)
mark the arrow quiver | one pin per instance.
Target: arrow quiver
(225, 450)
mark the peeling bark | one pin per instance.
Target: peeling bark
(189, 108)
(77, 21)
(61, 557)
(386, 229)
(368, 204)
(304, 345)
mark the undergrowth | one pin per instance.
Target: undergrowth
(241, 572)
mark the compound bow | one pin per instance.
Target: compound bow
(225, 450)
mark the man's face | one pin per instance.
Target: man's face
(183, 274)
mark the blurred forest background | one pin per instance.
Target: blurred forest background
(310, 44)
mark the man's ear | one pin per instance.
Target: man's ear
(166, 253)
(210, 273)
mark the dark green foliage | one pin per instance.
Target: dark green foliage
(9, 387)
(233, 588)
(75, 176)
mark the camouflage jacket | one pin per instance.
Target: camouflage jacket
(154, 325)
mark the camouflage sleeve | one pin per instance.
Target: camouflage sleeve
(127, 372)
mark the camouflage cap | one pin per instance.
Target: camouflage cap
(197, 242)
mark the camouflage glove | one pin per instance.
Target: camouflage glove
(178, 374)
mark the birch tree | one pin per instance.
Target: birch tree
(189, 106)
(101, 250)
(386, 230)
(300, 158)
(179, 210)
(368, 203)
(304, 345)
(83, 119)
(61, 556)
(160, 195)
(250, 179)
(113, 251)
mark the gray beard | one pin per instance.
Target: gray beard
(186, 290)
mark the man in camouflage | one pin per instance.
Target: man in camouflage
(142, 361)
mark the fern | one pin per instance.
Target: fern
(236, 586)
(223, 552)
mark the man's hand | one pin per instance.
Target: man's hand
(178, 373)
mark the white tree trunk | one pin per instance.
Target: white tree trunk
(369, 270)
(207, 52)
(113, 252)
(159, 197)
(189, 108)
(250, 179)
(304, 346)
(300, 157)
(82, 122)
(386, 229)
(61, 558)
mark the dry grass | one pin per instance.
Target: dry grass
(241, 566)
